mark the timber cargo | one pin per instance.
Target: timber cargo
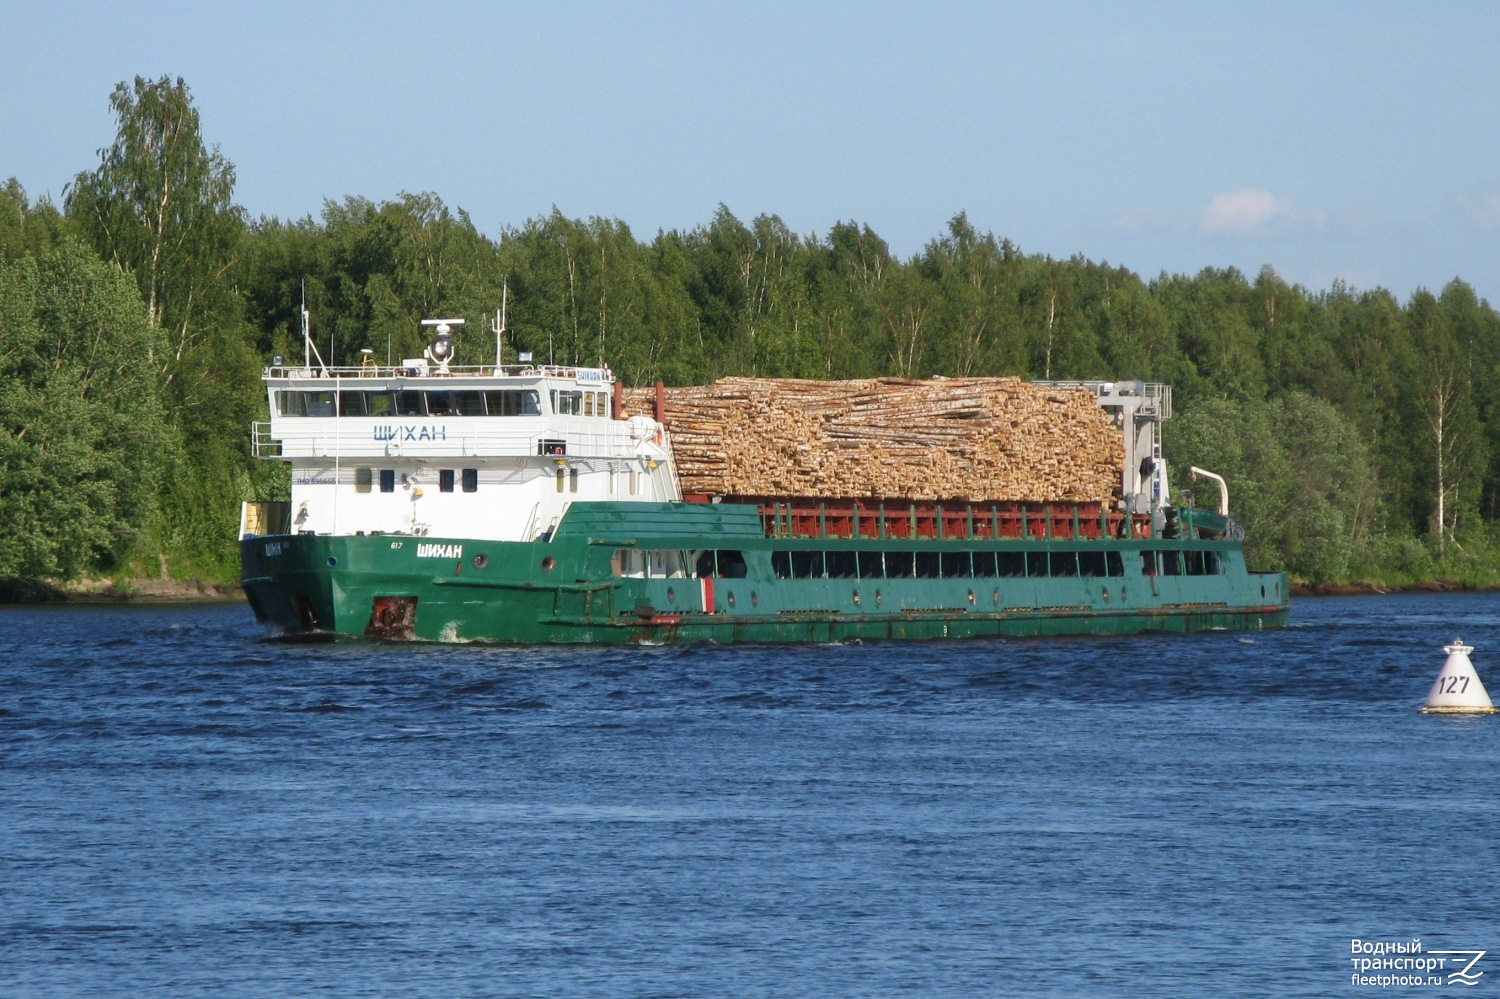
(538, 504)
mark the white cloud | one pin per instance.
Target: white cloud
(1480, 209)
(1252, 213)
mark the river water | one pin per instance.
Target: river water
(186, 809)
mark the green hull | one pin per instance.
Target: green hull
(579, 588)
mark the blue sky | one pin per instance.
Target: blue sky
(1331, 141)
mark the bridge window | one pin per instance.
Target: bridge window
(445, 480)
(513, 402)
(364, 478)
(471, 480)
(1036, 565)
(387, 480)
(565, 403)
(440, 404)
(411, 403)
(354, 403)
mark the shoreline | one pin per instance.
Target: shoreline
(196, 590)
(107, 591)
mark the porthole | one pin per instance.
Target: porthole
(1106, 593)
(856, 596)
(332, 561)
(729, 599)
(481, 561)
(754, 599)
(996, 598)
(971, 598)
(549, 563)
(671, 595)
(877, 598)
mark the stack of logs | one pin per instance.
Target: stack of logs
(974, 439)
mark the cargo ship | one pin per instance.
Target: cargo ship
(518, 503)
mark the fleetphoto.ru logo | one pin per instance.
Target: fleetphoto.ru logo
(1384, 964)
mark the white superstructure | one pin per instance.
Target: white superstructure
(471, 452)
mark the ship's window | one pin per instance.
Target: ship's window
(1201, 563)
(732, 564)
(956, 565)
(871, 565)
(899, 565)
(440, 403)
(807, 565)
(381, 404)
(468, 403)
(1114, 563)
(411, 403)
(387, 480)
(445, 480)
(626, 562)
(1064, 563)
(1011, 565)
(551, 445)
(1148, 563)
(781, 564)
(928, 565)
(841, 565)
(727, 563)
(1036, 564)
(354, 403)
(364, 478)
(667, 564)
(513, 402)
(588, 404)
(572, 480)
(984, 564)
(471, 480)
(1090, 563)
(289, 404)
(560, 477)
(601, 403)
(1171, 563)
(567, 403)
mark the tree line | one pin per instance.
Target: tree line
(1360, 435)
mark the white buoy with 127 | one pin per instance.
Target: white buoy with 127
(1457, 689)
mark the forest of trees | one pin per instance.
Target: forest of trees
(1360, 435)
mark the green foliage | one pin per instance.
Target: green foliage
(82, 434)
(1300, 477)
(1360, 437)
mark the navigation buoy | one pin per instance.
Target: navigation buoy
(1457, 689)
